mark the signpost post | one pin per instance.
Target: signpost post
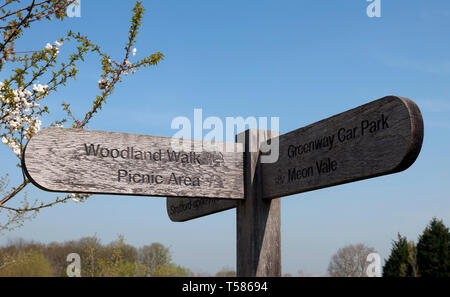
(381, 137)
(258, 221)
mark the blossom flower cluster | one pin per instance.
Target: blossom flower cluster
(103, 84)
(13, 145)
(55, 47)
(19, 108)
(18, 113)
(74, 198)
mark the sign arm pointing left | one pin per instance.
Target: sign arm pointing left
(97, 162)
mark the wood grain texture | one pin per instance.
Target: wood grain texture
(98, 162)
(258, 221)
(382, 137)
(185, 209)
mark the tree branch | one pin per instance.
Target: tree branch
(17, 29)
(15, 192)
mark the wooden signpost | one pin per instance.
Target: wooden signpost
(185, 209)
(382, 137)
(75, 160)
(378, 138)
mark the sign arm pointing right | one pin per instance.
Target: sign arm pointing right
(381, 137)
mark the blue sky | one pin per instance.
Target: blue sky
(299, 60)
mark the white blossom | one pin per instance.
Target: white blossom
(12, 145)
(57, 43)
(16, 149)
(48, 47)
(40, 88)
(74, 198)
(103, 84)
(17, 115)
(134, 52)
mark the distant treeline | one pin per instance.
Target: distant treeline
(24, 258)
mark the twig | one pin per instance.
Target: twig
(15, 192)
